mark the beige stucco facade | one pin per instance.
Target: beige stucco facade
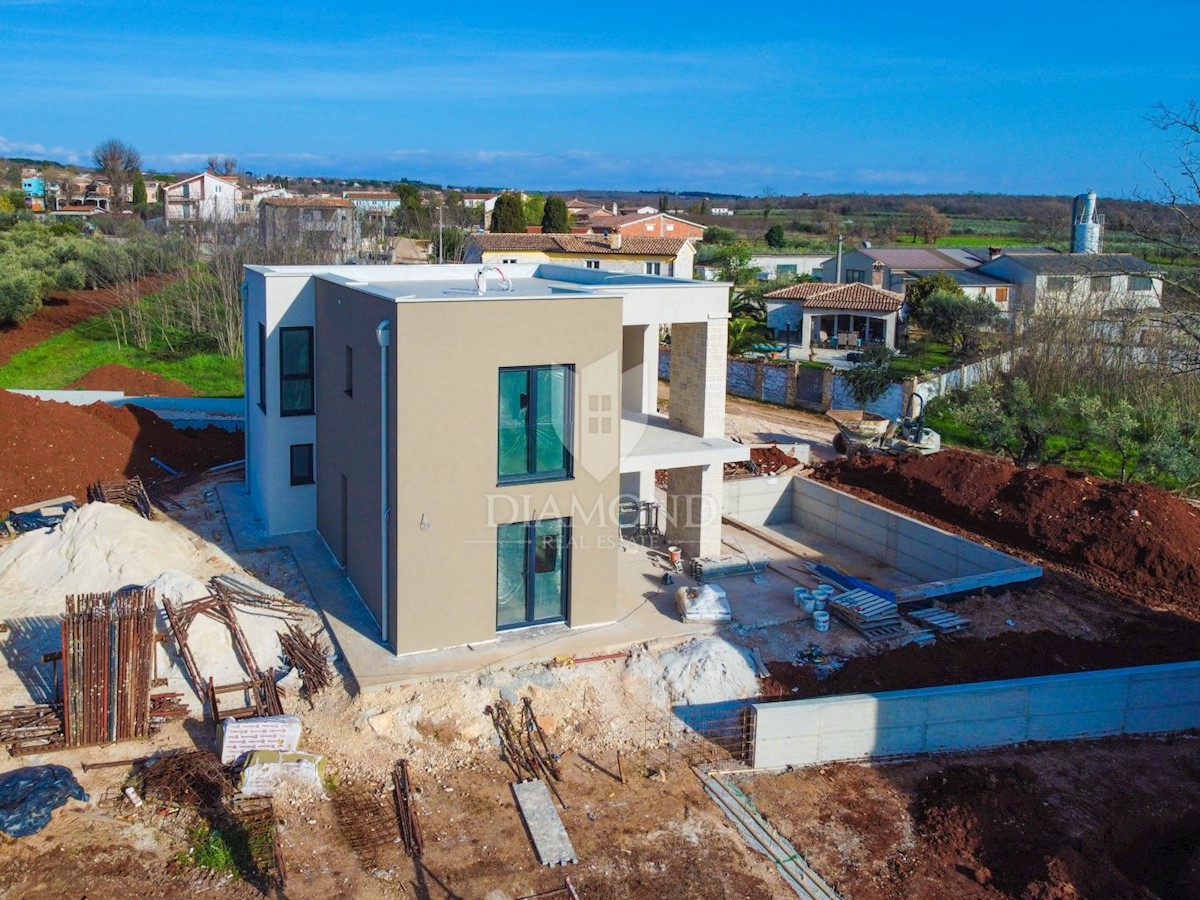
(406, 488)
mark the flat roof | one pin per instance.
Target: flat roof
(452, 282)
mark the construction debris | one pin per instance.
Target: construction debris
(32, 729)
(108, 657)
(130, 492)
(712, 568)
(260, 697)
(265, 770)
(525, 749)
(406, 811)
(309, 658)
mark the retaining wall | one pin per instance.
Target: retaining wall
(1141, 700)
(944, 563)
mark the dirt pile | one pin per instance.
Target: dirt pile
(134, 382)
(50, 449)
(1133, 539)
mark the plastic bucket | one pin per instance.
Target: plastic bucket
(824, 591)
(804, 598)
(675, 554)
(820, 620)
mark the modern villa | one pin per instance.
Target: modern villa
(462, 437)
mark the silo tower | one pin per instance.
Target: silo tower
(1087, 227)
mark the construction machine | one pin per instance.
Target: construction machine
(860, 431)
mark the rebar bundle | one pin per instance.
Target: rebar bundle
(108, 660)
(308, 656)
(406, 812)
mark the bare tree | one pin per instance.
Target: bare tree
(117, 161)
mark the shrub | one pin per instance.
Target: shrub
(20, 294)
(71, 276)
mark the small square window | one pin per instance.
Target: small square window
(591, 263)
(302, 463)
(653, 268)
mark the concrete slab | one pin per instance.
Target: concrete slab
(646, 611)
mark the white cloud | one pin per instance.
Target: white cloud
(37, 151)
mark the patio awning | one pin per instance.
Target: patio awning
(649, 442)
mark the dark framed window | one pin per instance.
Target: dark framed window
(1100, 284)
(653, 268)
(262, 366)
(591, 263)
(349, 371)
(532, 572)
(1141, 283)
(536, 416)
(301, 464)
(1060, 284)
(296, 371)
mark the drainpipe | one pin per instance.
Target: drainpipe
(383, 333)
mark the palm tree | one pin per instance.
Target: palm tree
(744, 333)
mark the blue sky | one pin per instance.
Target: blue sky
(1012, 97)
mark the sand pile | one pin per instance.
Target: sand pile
(101, 548)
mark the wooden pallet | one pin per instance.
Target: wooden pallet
(940, 620)
(872, 616)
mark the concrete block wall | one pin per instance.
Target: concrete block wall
(1140, 700)
(759, 501)
(917, 549)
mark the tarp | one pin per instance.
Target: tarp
(29, 795)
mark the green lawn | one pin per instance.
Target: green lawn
(63, 359)
(921, 357)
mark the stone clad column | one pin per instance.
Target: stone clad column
(698, 360)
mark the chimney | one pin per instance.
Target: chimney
(616, 212)
(995, 252)
(614, 239)
(877, 274)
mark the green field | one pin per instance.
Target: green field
(61, 360)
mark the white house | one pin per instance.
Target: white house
(201, 198)
(1091, 283)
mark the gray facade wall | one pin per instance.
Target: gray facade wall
(1141, 700)
(348, 436)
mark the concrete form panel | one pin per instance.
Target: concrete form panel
(973, 734)
(980, 704)
(1078, 696)
(1068, 725)
(1149, 720)
(1146, 690)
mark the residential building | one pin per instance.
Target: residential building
(474, 490)
(834, 315)
(781, 265)
(485, 203)
(1094, 284)
(204, 197)
(672, 257)
(376, 203)
(648, 225)
(898, 264)
(324, 225)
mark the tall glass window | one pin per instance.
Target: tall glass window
(532, 570)
(295, 371)
(535, 424)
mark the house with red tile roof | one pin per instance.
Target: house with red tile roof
(835, 315)
(638, 255)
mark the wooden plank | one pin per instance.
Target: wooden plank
(35, 507)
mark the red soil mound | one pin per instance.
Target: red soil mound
(1133, 539)
(134, 382)
(50, 449)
